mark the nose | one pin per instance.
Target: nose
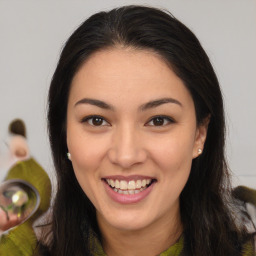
(127, 148)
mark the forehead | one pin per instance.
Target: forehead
(126, 73)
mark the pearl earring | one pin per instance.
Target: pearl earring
(199, 151)
(69, 156)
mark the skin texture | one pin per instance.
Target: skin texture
(128, 142)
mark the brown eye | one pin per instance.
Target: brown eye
(160, 121)
(95, 121)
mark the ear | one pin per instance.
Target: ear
(200, 137)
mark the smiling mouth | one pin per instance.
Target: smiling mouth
(129, 187)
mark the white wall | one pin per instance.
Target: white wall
(32, 34)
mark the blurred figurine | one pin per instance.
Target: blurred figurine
(15, 147)
(18, 140)
(24, 197)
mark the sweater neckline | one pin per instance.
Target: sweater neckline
(173, 250)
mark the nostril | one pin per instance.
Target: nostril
(127, 157)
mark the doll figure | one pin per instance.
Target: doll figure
(24, 196)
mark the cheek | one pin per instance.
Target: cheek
(86, 156)
(86, 150)
(173, 152)
(174, 160)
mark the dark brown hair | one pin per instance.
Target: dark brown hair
(209, 228)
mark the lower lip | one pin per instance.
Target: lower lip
(128, 199)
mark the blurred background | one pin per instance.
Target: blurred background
(32, 34)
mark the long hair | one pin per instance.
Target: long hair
(209, 228)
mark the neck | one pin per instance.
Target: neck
(151, 240)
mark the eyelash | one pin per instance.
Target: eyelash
(166, 120)
(89, 120)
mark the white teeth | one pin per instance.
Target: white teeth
(129, 192)
(123, 184)
(131, 187)
(112, 183)
(117, 184)
(143, 183)
(131, 184)
(138, 184)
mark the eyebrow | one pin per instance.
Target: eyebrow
(146, 106)
(158, 102)
(98, 103)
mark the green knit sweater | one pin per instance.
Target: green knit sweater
(244, 195)
(176, 249)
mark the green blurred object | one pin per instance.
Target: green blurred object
(21, 239)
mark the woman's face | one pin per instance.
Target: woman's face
(132, 135)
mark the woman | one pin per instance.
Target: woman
(137, 133)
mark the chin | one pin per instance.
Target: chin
(128, 221)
